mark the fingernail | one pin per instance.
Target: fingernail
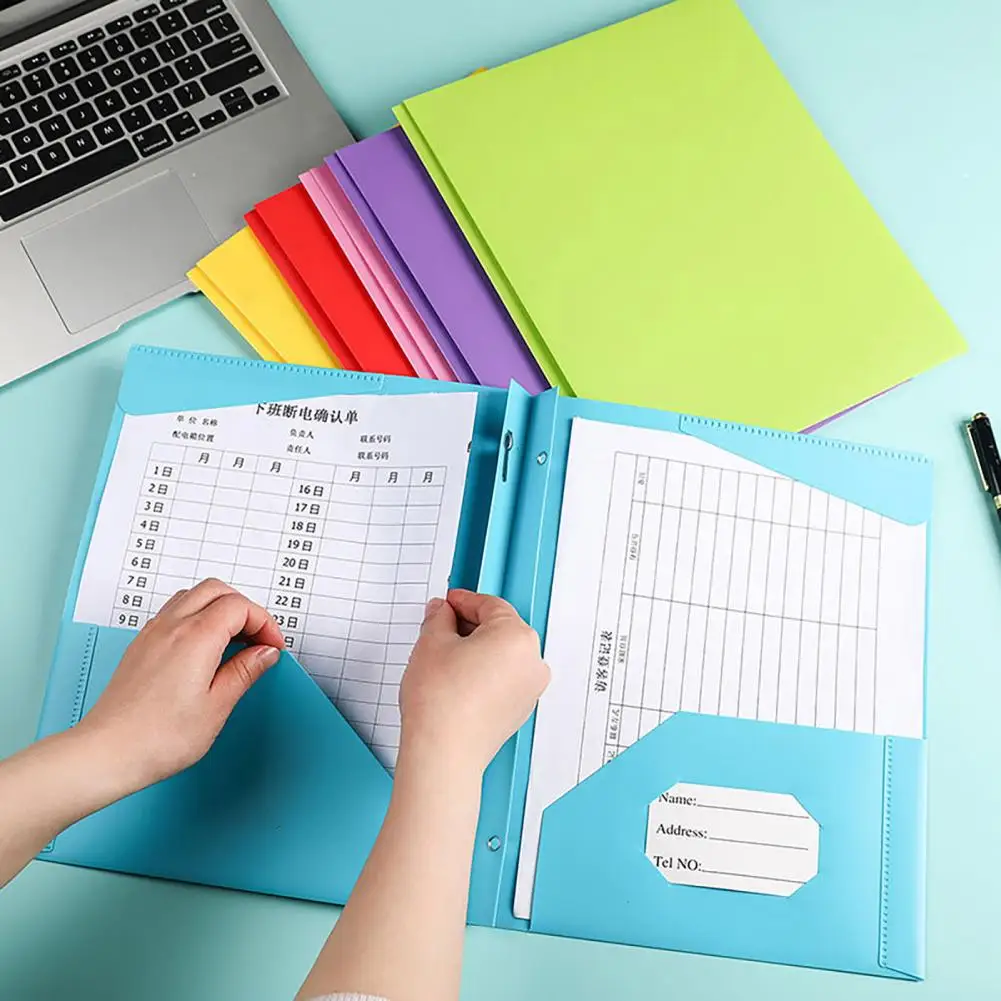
(432, 606)
(268, 656)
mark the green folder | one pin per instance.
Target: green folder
(669, 228)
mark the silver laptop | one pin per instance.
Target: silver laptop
(133, 137)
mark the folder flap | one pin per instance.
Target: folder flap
(288, 800)
(594, 879)
(895, 484)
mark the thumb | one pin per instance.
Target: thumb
(234, 678)
(439, 619)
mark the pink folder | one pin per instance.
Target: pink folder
(376, 276)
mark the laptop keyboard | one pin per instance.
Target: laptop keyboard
(117, 95)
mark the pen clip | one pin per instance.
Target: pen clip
(977, 457)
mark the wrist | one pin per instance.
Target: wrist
(439, 764)
(105, 767)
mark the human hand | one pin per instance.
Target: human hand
(474, 677)
(169, 697)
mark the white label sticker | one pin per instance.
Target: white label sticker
(732, 839)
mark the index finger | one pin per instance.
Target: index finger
(478, 609)
(232, 615)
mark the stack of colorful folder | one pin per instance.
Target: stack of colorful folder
(646, 214)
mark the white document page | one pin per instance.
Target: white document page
(688, 578)
(338, 514)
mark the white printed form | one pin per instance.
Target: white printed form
(338, 514)
(688, 578)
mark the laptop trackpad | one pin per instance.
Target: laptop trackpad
(119, 252)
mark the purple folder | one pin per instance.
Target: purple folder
(412, 226)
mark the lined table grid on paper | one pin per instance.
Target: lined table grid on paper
(344, 551)
(690, 579)
(738, 594)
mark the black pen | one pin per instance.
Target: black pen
(985, 450)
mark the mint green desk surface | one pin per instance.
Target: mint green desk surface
(908, 92)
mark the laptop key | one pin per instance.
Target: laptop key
(232, 75)
(119, 46)
(37, 82)
(110, 103)
(266, 94)
(108, 131)
(145, 34)
(25, 169)
(152, 140)
(117, 73)
(136, 90)
(6, 181)
(63, 97)
(6, 151)
(55, 128)
(144, 61)
(135, 119)
(163, 79)
(197, 36)
(171, 23)
(33, 62)
(170, 4)
(63, 49)
(162, 107)
(9, 72)
(27, 140)
(10, 121)
(35, 109)
(189, 67)
(189, 94)
(119, 24)
(81, 143)
(70, 178)
(226, 51)
(201, 10)
(170, 49)
(91, 59)
(223, 26)
(53, 156)
(65, 69)
(82, 115)
(212, 119)
(91, 85)
(145, 13)
(11, 94)
(92, 36)
(238, 107)
(182, 126)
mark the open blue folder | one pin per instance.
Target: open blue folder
(289, 800)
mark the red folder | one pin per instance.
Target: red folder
(303, 249)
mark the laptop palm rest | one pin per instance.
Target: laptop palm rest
(120, 251)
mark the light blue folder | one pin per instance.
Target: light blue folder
(289, 800)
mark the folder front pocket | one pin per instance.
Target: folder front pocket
(865, 791)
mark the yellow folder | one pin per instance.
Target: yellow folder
(240, 280)
(669, 228)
